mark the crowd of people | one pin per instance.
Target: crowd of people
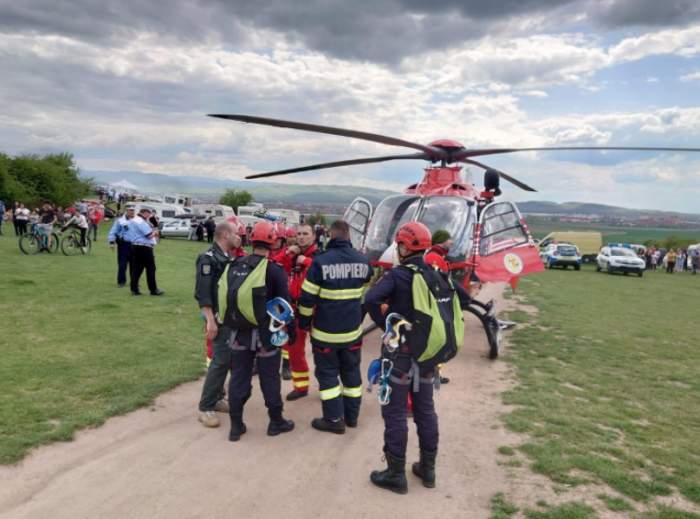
(673, 260)
(328, 290)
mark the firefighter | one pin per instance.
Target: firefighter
(210, 267)
(278, 254)
(330, 307)
(436, 334)
(252, 281)
(299, 258)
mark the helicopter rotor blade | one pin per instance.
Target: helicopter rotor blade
(434, 153)
(351, 162)
(497, 151)
(504, 176)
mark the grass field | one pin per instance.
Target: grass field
(540, 229)
(76, 349)
(609, 389)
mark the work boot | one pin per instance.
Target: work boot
(209, 419)
(296, 395)
(221, 406)
(351, 422)
(278, 424)
(425, 468)
(238, 428)
(394, 477)
(286, 372)
(325, 425)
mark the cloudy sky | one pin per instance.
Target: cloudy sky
(124, 85)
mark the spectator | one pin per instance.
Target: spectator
(47, 218)
(670, 261)
(680, 261)
(21, 219)
(210, 226)
(2, 214)
(695, 259)
(655, 259)
(200, 231)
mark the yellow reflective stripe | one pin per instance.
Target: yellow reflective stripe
(311, 288)
(300, 383)
(337, 295)
(285, 354)
(299, 374)
(336, 338)
(207, 362)
(330, 394)
(352, 392)
(305, 311)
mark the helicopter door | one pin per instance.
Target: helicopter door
(504, 250)
(358, 215)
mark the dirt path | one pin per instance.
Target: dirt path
(160, 462)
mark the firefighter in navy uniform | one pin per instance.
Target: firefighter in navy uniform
(331, 307)
(211, 265)
(428, 299)
(252, 282)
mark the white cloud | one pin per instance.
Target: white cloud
(691, 76)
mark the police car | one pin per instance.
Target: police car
(563, 255)
(616, 258)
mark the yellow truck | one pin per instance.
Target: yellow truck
(588, 242)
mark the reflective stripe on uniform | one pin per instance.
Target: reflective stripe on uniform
(352, 392)
(336, 338)
(311, 288)
(330, 394)
(340, 294)
(300, 383)
(285, 354)
(305, 310)
(300, 374)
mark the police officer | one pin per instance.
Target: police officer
(396, 288)
(211, 265)
(330, 306)
(117, 235)
(142, 237)
(252, 281)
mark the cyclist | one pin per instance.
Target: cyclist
(78, 221)
(47, 217)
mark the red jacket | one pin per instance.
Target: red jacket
(298, 275)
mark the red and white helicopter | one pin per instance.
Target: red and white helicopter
(491, 239)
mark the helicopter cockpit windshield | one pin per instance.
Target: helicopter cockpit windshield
(436, 212)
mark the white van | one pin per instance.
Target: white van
(290, 216)
(218, 211)
(162, 211)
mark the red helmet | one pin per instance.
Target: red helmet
(415, 236)
(241, 229)
(291, 232)
(263, 232)
(435, 260)
(279, 229)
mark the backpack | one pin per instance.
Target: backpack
(437, 330)
(247, 293)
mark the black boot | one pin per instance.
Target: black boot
(286, 372)
(238, 428)
(325, 425)
(394, 477)
(278, 424)
(425, 468)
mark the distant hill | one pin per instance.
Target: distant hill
(583, 208)
(208, 188)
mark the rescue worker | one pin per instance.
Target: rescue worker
(397, 288)
(117, 235)
(252, 281)
(298, 259)
(331, 307)
(278, 254)
(143, 238)
(211, 265)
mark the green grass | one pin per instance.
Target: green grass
(501, 508)
(616, 504)
(609, 391)
(565, 511)
(540, 229)
(76, 349)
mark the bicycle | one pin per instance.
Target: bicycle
(37, 240)
(71, 246)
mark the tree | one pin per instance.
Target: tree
(313, 219)
(31, 179)
(235, 199)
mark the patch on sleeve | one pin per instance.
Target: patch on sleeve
(206, 269)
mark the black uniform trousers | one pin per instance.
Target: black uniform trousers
(213, 389)
(331, 363)
(123, 258)
(395, 412)
(240, 386)
(142, 258)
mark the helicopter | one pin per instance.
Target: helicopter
(491, 240)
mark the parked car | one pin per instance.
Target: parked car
(620, 259)
(563, 255)
(179, 227)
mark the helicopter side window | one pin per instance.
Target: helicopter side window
(500, 229)
(390, 214)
